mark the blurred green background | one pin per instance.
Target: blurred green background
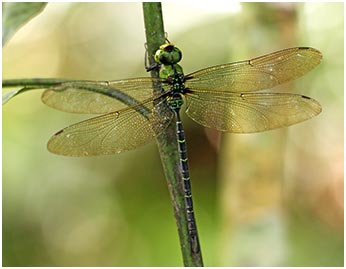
(267, 199)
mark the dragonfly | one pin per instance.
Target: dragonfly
(229, 97)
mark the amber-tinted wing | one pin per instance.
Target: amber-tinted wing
(249, 112)
(114, 132)
(99, 97)
(257, 74)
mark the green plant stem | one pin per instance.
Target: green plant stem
(167, 141)
(33, 82)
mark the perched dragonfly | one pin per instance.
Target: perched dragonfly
(225, 97)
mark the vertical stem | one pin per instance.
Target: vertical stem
(167, 141)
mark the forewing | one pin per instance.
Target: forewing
(249, 112)
(98, 97)
(257, 74)
(112, 133)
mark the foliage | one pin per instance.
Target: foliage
(16, 14)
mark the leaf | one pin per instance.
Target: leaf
(10, 94)
(16, 14)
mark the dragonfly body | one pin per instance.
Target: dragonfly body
(169, 56)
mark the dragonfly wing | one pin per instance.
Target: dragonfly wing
(257, 74)
(111, 133)
(249, 112)
(98, 97)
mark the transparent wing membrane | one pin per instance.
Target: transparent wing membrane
(249, 112)
(257, 74)
(99, 97)
(112, 133)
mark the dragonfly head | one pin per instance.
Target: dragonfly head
(168, 54)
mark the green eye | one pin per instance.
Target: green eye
(168, 54)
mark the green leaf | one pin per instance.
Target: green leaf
(10, 94)
(16, 14)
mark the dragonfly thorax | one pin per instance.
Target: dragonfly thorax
(176, 82)
(167, 71)
(176, 89)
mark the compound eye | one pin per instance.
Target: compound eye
(176, 55)
(168, 54)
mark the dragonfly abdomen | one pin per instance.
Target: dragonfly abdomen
(184, 165)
